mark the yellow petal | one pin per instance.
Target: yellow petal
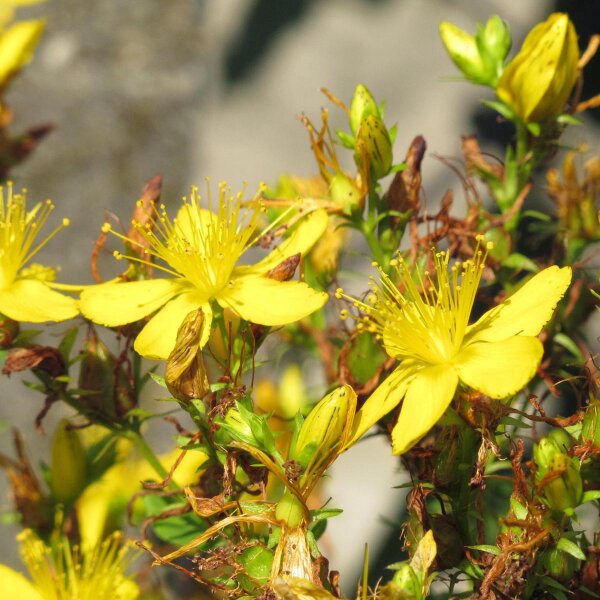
(526, 311)
(158, 337)
(306, 234)
(15, 585)
(500, 369)
(33, 301)
(269, 302)
(17, 45)
(427, 397)
(384, 399)
(114, 304)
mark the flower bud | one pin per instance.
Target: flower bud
(290, 511)
(559, 564)
(325, 431)
(563, 487)
(590, 431)
(185, 374)
(67, 463)
(363, 104)
(106, 385)
(373, 152)
(537, 83)
(543, 453)
(343, 191)
(462, 49)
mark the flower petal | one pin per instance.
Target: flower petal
(384, 399)
(526, 311)
(15, 585)
(33, 301)
(500, 369)
(114, 304)
(159, 335)
(269, 302)
(427, 397)
(305, 235)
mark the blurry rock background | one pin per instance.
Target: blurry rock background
(195, 88)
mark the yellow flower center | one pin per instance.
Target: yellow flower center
(424, 318)
(199, 245)
(18, 231)
(70, 573)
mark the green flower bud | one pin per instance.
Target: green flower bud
(564, 487)
(67, 463)
(590, 431)
(373, 148)
(559, 564)
(561, 438)
(538, 81)
(290, 510)
(496, 41)
(257, 562)
(464, 53)
(543, 453)
(479, 57)
(363, 104)
(343, 191)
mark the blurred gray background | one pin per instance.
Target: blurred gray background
(194, 88)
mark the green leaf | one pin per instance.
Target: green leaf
(501, 108)
(346, 139)
(324, 513)
(534, 128)
(590, 495)
(487, 548)
(274, 537)
(158, 379)
(568, 120)
(518, 509)
(536, 214)
(519, 262)
(66, 344)
(515, 423)
(566, 545)
(365, 357)
(255, 508)
(566, 342)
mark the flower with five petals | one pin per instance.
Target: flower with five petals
(200, 249)
(429, 334)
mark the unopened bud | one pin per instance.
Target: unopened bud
(590, 431)
(543, 453)
(325, 431)
(407, 580)
(373, 147)
(562, 485)
(185, 374)
(343, 191)
(290, 510)
(67, 463)
(17, 44)
(538, 81)
(559, 564)
(363, 104)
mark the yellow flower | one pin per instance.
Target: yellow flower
(26, 294)
(430, 335)
(17, 40)
(65, 573)
(201, 249)
(538, 81)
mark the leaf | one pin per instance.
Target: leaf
(518, 261)
(346, 139)
(566, 342)
(519, 509)
(569, 120)
(158, 379)
(566, 545)
(66, 344)
(590, 495)
(501, 108)
(487, 548)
